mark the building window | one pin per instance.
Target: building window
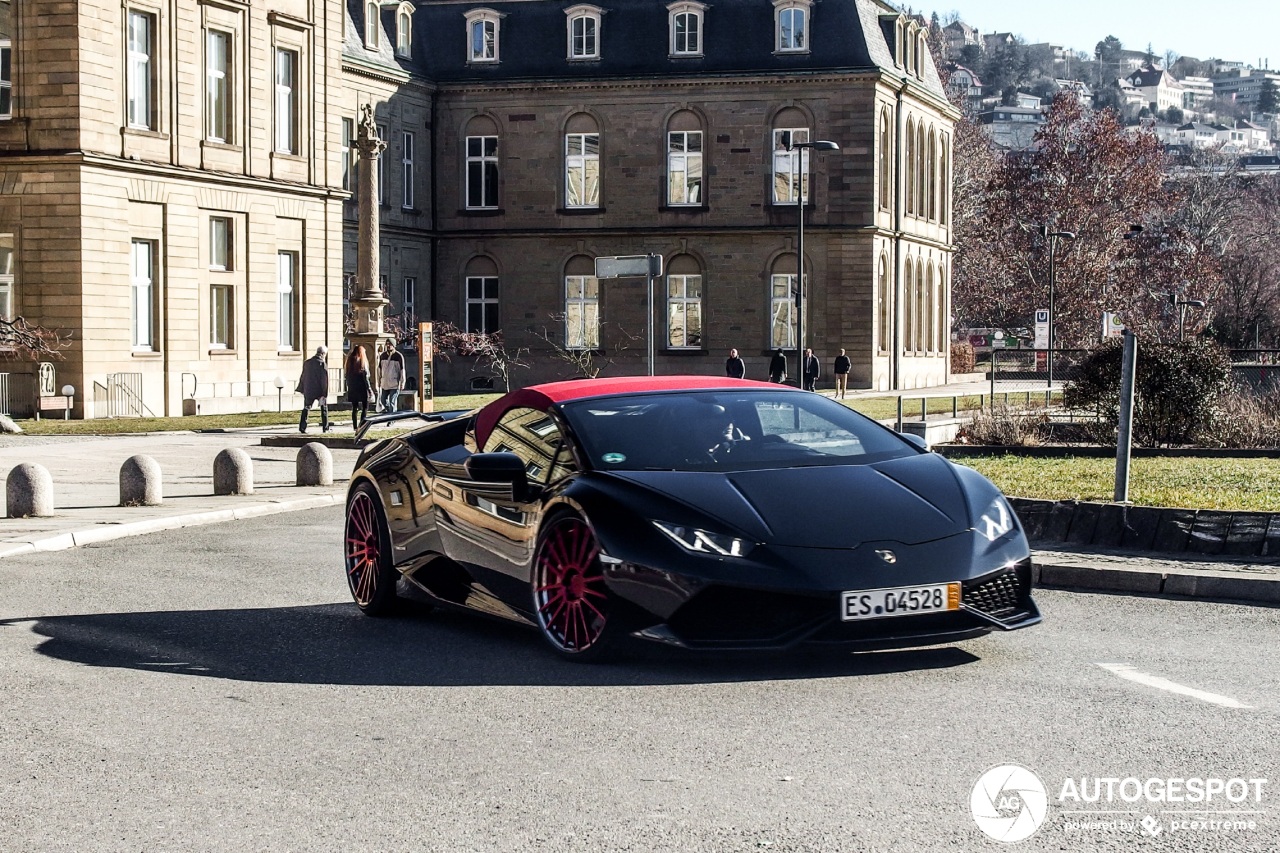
(287, 301)
(6, 276)
(221, 244)
(909, 307)
(911, 167)
(142, 313)
(404, 30)
(582, 170)
(217, 77)
(782, 311)
(921, 173)
(482, 303)
(6, 79)
(286, 101)
(140, 84)
(684, 167)
(482, 172)
(221, 315)
(581, 312)
(584, 32)
(372, 25)
(940, 302)
(944, 180)
(884, 303)
(886, 161)
(932, 172)
(684, 311)
(790, 167)
(408, 298)
(686, 29)
(348, 153)
(406, 169)
(482, 35)
(792, 20)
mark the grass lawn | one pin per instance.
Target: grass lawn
(1230, 484)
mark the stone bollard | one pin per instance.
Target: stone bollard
(232, 472)
(29, 491)
(140, 482)
(315, 465)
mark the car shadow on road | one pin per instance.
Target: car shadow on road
(335, 644)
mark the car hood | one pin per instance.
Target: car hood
(909, 500)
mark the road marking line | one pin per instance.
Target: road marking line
(1129, 673)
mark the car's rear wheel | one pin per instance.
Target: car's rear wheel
(570, 598)
(370, 573)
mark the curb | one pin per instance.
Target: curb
(75, 539)
(1222, 585)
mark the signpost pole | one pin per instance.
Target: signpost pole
(649, 280)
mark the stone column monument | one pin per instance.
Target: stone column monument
(368, 303)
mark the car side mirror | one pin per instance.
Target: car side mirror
(505, 468)
(916, 440)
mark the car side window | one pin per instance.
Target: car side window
(534, 437)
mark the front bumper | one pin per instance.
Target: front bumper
(722, 617)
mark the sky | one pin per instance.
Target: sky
(1244, 31)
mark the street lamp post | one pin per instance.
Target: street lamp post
(797, 148)
(1053, 237)
(1182, 306)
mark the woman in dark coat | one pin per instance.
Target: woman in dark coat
(778, 367)
(358, 388)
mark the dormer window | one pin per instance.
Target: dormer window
(921, 47)
(372, 25)
(686, 28)
(483, 29)
(404, 30)
(791, 22)
(909, 59)
(583, 31)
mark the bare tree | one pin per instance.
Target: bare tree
(586, 362)
(488, 348)
(21, 340)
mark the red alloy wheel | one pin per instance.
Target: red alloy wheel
(364, 548)
(569, 588)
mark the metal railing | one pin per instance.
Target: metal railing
(124, 396)
(4, 394)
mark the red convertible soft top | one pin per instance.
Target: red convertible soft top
(540, 397)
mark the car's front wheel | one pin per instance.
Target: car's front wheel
(569, 593)
(370, 573)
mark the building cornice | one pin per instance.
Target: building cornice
(364, 68)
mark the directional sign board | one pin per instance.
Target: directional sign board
(1042, 329)
(624, 266)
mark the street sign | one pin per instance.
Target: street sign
(1042, 329)
(1112, 325)
(624, 266)
(426, 364)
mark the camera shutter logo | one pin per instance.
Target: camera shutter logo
(1009, 803)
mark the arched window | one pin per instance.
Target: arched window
(483, 31)
(480, 291)
(372, 25)
(686, 28)
(932, 172)
(583, 31)
(404, 30)
(930, 309)
(791, 23)
(684, 160)
(886, 160)
(944, 316)
(911, 166)
(581, 304)
(782, 303)
(921, 317)
(909, 298)
(944, 179)
(921, 48)
(790, 166)
(884, 305)
(920, 170)
(581, 162)
(684, 303)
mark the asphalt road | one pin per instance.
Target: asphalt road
(214, 689)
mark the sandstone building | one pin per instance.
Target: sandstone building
(175, 182)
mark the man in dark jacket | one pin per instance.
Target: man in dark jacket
(842, 367)
(778, 367)
(811, 370)
(734, 366)
(314, 386)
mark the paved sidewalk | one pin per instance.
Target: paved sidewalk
(86, 488)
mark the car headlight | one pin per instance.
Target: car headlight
(996, 521)
(704, 541)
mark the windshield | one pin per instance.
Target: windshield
(727, 431)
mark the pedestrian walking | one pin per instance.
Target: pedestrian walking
(314, 387)
(390, 378)
(842, 367)
(778, 368)
(359, 390)
(734, 366)
(812, 369)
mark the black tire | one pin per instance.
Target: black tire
(371, 577)
(575, 613)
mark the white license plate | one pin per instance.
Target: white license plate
(899, 601)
